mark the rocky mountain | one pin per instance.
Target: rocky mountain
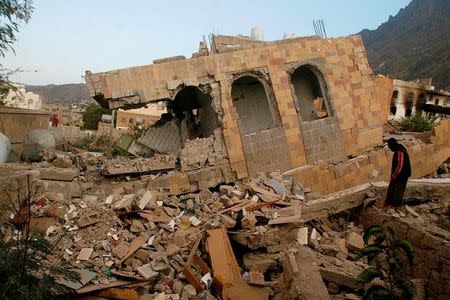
(413, 44)
(64, 93)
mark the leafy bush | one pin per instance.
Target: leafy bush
(415, 123)
(26, 273)
(85, 142)
(385, 245)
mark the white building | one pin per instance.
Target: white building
(23, 99)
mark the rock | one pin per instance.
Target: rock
(136, 226)
(329, 250)
(304, 277)
(177, 286)
(159, 264)
(142, 255)
(333, 288)
(62, 162)
(228, 221)
(342, 244)
(147, 272)
(249, 221)
(189, 292)
(145, 199)
(126, 202)
(256, 277)
(111, 198)
(58, 174)
(120, 250)
(179, 237)
(135, 263)
(302, 236)
(172, 249)
(340, 277)
(355, 241)
(412, 211)
(90, 199)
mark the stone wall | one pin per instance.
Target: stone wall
(266, 150)
(432, 253)
(351, 87)
(323, 140)
(376, 165)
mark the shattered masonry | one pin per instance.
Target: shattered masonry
(278, 105)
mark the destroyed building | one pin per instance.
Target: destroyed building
(202, 213)
(417, 97)
(274, 105)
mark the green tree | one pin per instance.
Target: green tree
(12, 14)
(92, 115)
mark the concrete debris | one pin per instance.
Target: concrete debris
(164, 233)
(124, 166)
(355, 241)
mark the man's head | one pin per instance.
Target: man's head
(392, 144)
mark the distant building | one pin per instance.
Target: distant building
(145, 116)
(410, 97)
(23, 99)
(67, 113)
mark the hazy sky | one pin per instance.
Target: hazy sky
(66, 37)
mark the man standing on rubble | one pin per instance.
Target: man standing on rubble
(400, 172)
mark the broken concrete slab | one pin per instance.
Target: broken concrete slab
(85, 277)
(277, 186)
(85, 253)
(226, 270)
(135, 245)
(147, 272)
(340, 277)
(302, 277)
(123, 166)
(58, 174)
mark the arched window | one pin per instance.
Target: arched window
(393, 110)
(436, 101)
(409, 104)
(395, 95)
(420, 103)
(252, 105)
(310, 93)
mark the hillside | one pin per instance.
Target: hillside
(413, 44)
(64, 93)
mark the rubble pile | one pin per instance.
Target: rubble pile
(128, 235)
(266, 237)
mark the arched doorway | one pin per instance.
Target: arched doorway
(321, 132)
(264, 140)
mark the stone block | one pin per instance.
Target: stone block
(58, 174)
(355, 241)
(147, 272)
